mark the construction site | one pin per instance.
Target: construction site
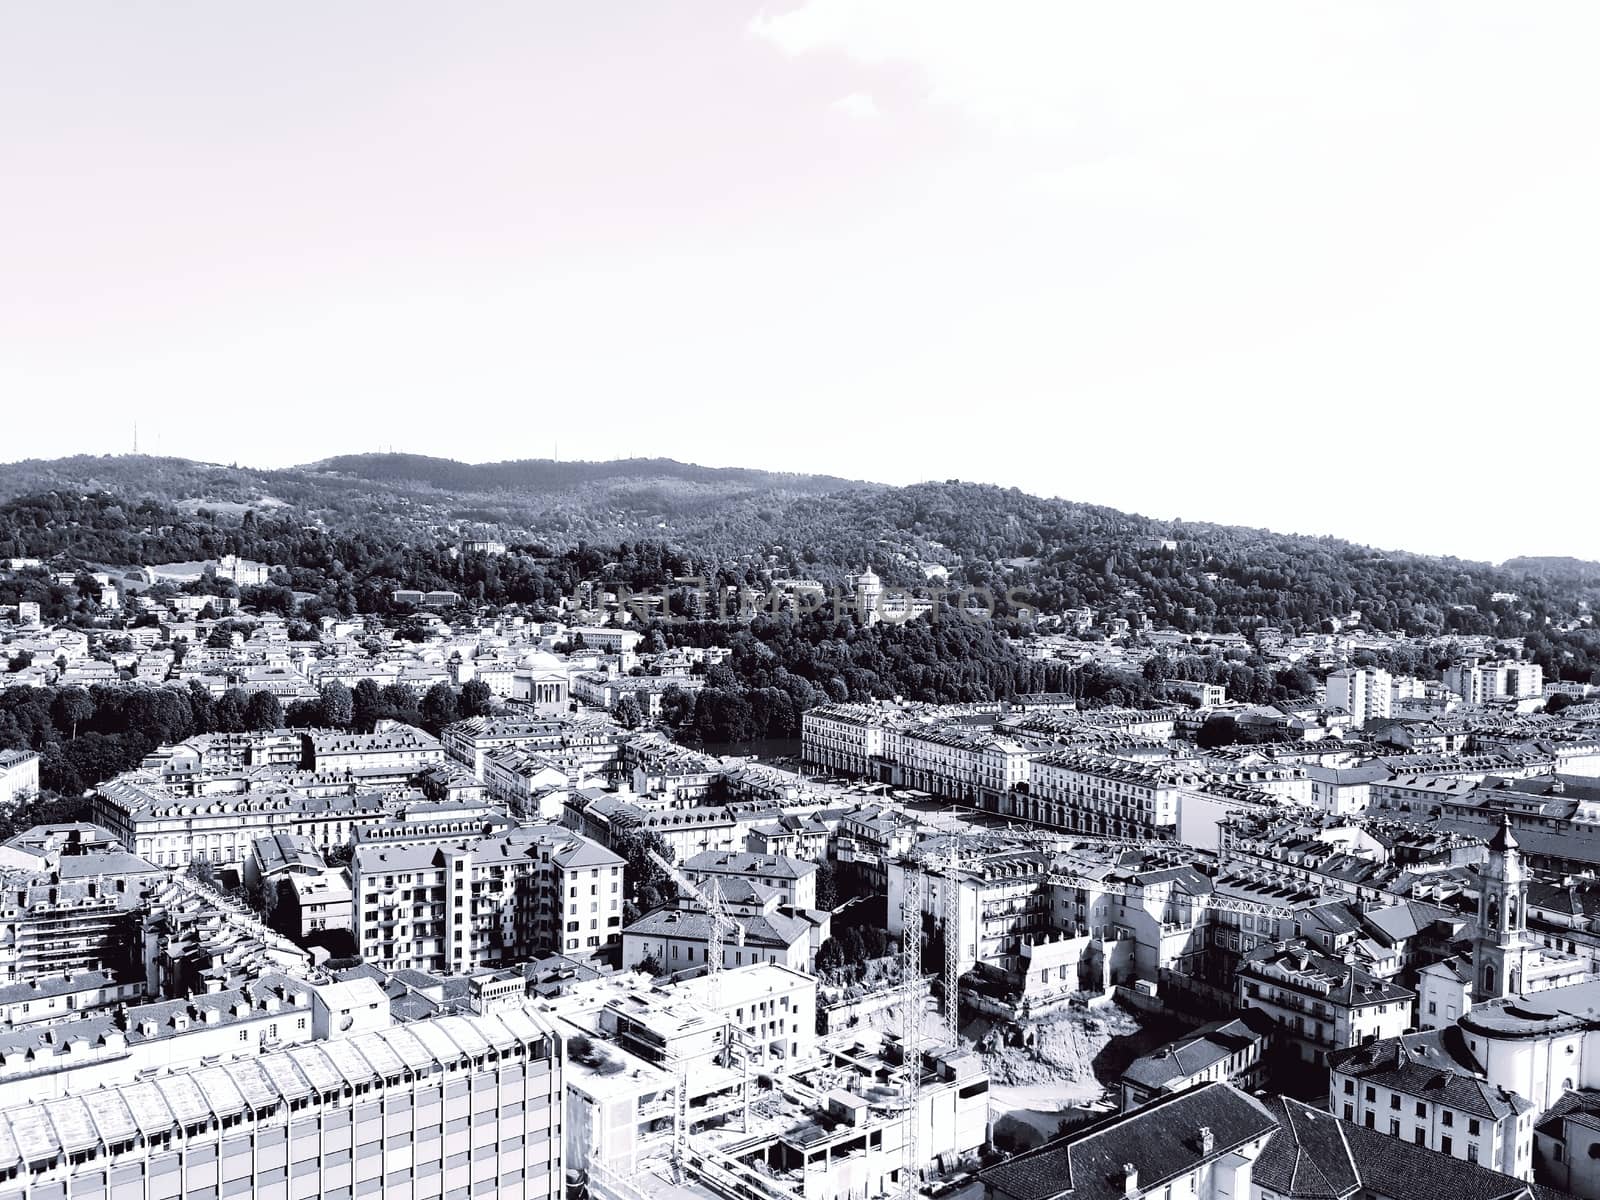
(1007, 1014)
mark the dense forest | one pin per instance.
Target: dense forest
(343, 535)
(351, 530)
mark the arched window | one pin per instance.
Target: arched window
(1511, 912)
(1494, 912)
(1488, 979)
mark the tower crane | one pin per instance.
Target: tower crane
(722, 923)
(911, 1010)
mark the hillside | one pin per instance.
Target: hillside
(403, 509)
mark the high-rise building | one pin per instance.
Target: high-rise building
(1363, 692)
(457, 1106)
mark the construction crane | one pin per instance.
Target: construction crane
(722, 923)
(911, 1026)
(948, 862)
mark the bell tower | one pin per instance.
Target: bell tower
(1501, 947)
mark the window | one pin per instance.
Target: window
(1394, 1127)
(1349, 1087)
(1444, 1145)
(1472, 1127)
(1472, 1152)
(1422, 1110)
(1447, 1117)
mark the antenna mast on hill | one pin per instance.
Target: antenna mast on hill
(136, 437)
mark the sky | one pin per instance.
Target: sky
(1323, 267)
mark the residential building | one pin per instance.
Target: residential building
(1099, 794)
(1427, 1088)
(1196, 1145)
(19, 775)
(1317, 1157)
(1319, 1003)
(1481, 683)
(398, 748)
(1363, 692)
(177, 830)
(1229, 1051)
(794, 879)
(461, 904)
(678, 937)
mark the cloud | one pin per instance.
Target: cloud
(859, 105)
(1057, 66)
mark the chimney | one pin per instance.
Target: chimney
(1208, 1140)
(1130, 1179)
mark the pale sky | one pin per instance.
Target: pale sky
(1325, 267)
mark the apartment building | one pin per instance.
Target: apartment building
(176, 830)
(845, 738)
(1344, 790)
(515, 776)
(684, 777)
(458, 905)
(458, 1105)
(1480, 683)
(794, 879)
(1428, 1089)
(1363, 692)
(1319, 1003)
(399, 748)
(50, 926)
(1099, 794)
(596, 741)
(967, 763)
(19, 775)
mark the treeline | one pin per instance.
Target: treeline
(778, 668)
(85, 736)
(1061, 555)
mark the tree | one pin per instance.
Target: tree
(366, 700)
(338, 705)
(627, 712)
(231, 710)
(71, 706)
(20, 661)
(677, 706)
(202, 871)
(263, 711)
(827, 886)
(476, 698)
(1219, 730)
(1559, 701)
(439, 707)
(652, 886)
